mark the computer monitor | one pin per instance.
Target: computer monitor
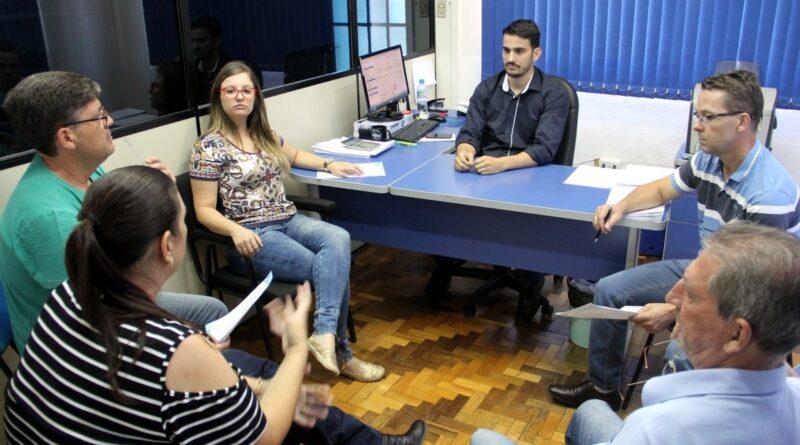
(384, 76)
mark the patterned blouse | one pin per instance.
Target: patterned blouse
(250, 184)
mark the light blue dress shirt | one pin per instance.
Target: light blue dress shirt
(716, 406)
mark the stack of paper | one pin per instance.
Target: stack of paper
(335, 146)
(621, 182)
(619, 192)
(606, 178)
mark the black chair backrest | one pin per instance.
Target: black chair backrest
(184, 185)
(566, 151)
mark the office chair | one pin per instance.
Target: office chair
(224, 279)
(500, 277)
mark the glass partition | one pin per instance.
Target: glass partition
(135, 48)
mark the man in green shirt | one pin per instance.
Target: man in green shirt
(61, 115)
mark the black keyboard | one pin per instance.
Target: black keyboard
(414, 131)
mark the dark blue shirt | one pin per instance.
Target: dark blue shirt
(537, 116)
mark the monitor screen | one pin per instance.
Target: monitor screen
(384, 76)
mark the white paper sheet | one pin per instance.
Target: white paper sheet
(642, 174)
(221, 328)
(594, 311)
(588, 176)
(369, 169)
(606, 178)
(619, 192)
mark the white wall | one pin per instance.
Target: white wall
(638, 130)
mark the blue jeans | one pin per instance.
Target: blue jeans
(638, 286)
(675, 359)
(593, 423)
(338, 428)
(196, 309)
(303, 248)
(488, 437)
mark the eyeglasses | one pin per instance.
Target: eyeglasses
(232, 92)
(103, 117)
(704, 118)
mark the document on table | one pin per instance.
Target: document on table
(619, 192)
(594, 311)
(606, 178)
(588, 176)
(361, 149)
(369, 169)
(642, 174)
(221, 328)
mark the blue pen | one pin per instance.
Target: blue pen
(605, 220)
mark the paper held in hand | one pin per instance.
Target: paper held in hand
(592, 310)
(220, 329)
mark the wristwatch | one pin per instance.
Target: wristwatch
(326, 163)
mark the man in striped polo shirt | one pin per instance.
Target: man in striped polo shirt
(735, 177)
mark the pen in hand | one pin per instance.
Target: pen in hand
(605, 220)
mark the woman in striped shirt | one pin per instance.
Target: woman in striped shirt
(104, 364)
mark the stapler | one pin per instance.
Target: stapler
(461, 107)
(437, 105)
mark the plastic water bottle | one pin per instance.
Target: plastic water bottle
(422, 101)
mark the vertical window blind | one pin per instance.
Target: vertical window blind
(654, 48)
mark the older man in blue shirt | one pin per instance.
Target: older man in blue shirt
(738, 316)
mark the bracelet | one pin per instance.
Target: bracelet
(326, 163)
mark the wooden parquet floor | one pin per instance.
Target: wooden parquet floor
(458, 373)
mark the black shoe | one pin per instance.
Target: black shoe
(574, 395)
(547, 309)
(527, 305)
(413, 436)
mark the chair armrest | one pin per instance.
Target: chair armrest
(322, 206)
(207, 235)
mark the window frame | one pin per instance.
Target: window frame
(184, 25)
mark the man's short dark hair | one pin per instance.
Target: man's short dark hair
(525, 29)
(210, 24)
(42, 103)
(743, 93)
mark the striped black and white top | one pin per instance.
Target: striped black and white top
(60, 393)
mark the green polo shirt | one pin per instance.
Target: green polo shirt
(34, 227)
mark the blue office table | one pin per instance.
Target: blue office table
(524, 218)
(398, 161)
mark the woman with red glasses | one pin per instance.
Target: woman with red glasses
(241, 160)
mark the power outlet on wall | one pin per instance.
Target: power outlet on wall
(608, 163)
(441, 8)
